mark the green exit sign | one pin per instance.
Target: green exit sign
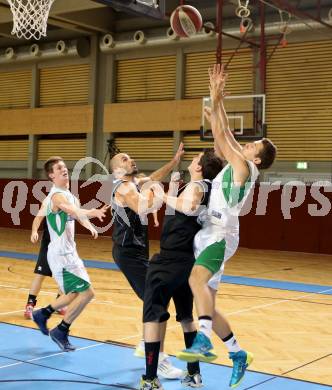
(301, 165)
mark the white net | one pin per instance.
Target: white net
(30, 17)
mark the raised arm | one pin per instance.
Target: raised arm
(162, 172)
(217, 151)
(218, 75)
(62, 203)
(128, 195)
(188, 201)
(86, 222)
(225, 124)
(218, 122)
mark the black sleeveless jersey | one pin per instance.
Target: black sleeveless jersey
(179, 230)
(128, 230)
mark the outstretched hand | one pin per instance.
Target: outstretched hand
(100, 213)
(218, 79)
(179, 154)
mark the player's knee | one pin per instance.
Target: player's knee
(194, 278)
(193, 284)
(89, 294)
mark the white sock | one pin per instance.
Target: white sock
(232, 344)
(205, 326)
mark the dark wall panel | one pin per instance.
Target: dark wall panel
(303, 232)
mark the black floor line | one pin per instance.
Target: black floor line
(45, 366)
(115, 385)
(260, 383)
(216, 364)
(293, 379)
(306, 364)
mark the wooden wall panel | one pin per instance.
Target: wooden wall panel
(15, 89)
(146, 79)
(55, 120)
(15, 122)
(193, 145)
(52, 120)
(14, 150)
(172, 115)
(65, 85)
(154, 148)
(240, 69)
(67, 148)
(299, 101)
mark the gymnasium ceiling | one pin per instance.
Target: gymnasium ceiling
(73, 18)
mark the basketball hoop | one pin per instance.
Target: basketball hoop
(30, 17)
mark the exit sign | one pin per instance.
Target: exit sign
(301, 165)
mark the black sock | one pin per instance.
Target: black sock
(32, 299)
(228, 337)
(205, 318)
(48, 311)
(151, 359)
(64, 326)
(193, 368)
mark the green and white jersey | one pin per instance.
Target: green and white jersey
(227, 199)
(60, 225)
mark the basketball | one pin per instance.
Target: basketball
(186, 21)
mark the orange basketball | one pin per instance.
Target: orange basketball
(186, 21)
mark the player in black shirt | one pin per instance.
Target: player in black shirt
(130, 235)
(168, 272)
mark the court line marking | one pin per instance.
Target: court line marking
(11, 312)
(178, 325)
(228, 279)
(43, 292)
(48, 356)
(283, 375)
(137, 308)
(272, 376)
(277, 302)
(53, 368)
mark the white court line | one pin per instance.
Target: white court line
(117, 305)
(47, 356)
(26, 289)
(239, 311)
(78, 349)
(11, 312)
(277, 302)
(111, 303)
(171, 327)
(42, 292)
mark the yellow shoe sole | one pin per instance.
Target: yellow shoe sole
(139, 353)
(190, 358)
(250, 358)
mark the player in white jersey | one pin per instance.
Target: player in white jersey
(218, 239)
(62, 208)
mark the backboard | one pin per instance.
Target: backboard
(246, 114)
(150, 8)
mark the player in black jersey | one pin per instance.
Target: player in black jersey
(168, 272)
(130, 235)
